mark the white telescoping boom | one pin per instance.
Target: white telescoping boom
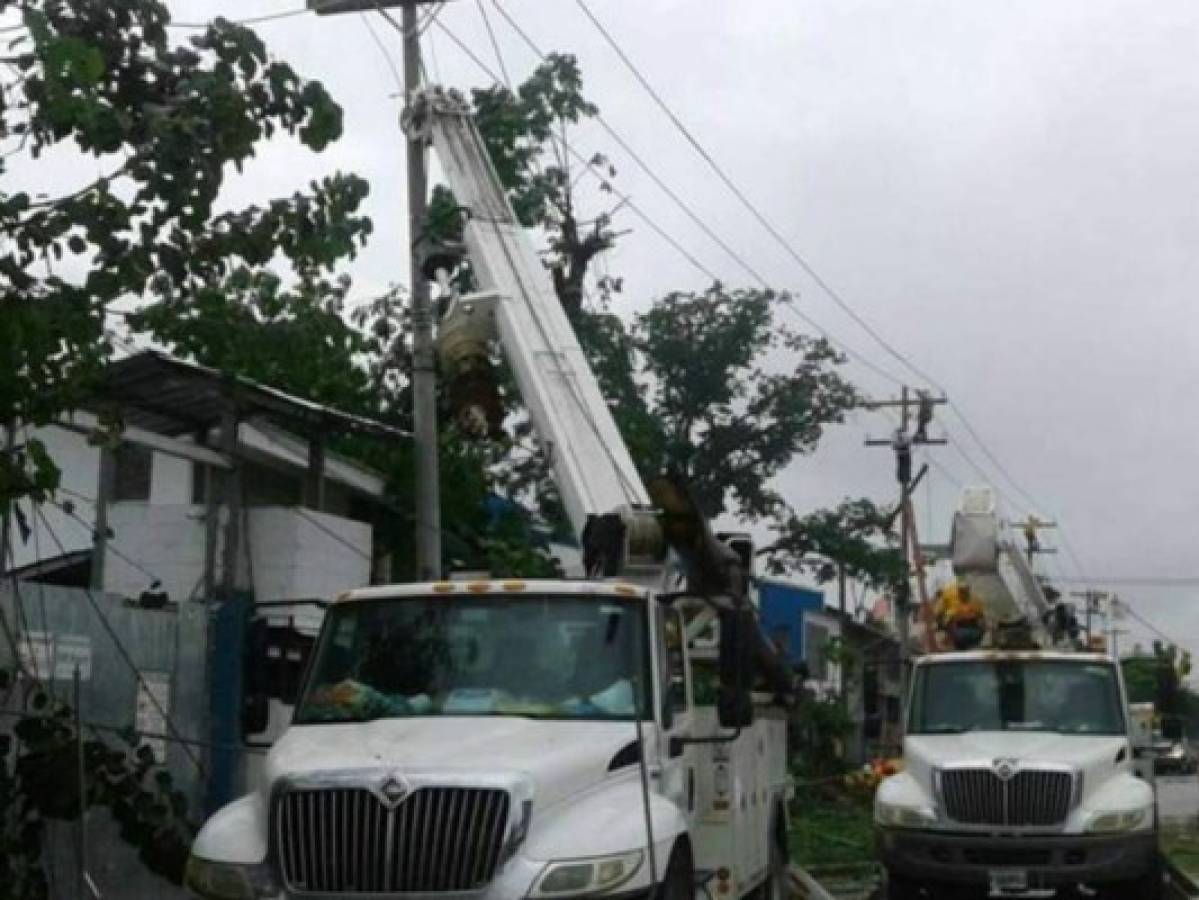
(517, 305)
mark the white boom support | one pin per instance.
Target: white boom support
(592, 467)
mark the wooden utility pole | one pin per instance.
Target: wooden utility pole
(1092, 601)
(424, 376)
(1030, 528)
(921, 407)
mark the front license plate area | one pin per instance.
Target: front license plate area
(1009, 881)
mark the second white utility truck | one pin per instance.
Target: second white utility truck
(1017, 756)
(544, 739)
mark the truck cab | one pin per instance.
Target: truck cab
(509, 739)
(1018, 779)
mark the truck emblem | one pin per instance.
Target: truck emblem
(394, 791)
(1005, 769)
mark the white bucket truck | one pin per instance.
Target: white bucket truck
(542, 739)
(1017, 772)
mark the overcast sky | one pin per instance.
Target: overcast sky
(1006, 191)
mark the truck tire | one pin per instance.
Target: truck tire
(1148, 887)
(679, 881)
(775, 886)
(899, 887)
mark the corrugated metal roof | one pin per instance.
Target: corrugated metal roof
(171, 396)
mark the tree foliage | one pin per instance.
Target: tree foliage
(164, 122)
(40, 783)
(1160, 678)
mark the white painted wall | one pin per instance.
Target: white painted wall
(301, 553)
(165, 540)
(170, 480)
(79, 465)
(294, 553)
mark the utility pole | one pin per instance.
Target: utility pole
(1032, 541)
(424, 375)
(901, 442)
(1092, 601)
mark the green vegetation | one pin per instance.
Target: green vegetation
(1181, 846)
(831, 826)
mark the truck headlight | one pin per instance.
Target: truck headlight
(894, 815)
(1113, 822)
(227, 881)
(574, 877)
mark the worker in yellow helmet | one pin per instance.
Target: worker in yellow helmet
(960, 615)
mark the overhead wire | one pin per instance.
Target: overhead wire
(789, 302)
(252, 20)
(588, 164)
(808, 268)
(387, 55)
(495, 44)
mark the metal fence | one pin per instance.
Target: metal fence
(58, 631)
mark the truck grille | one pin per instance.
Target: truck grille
(350, 841)
(1031, 798)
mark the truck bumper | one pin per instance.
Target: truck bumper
(1049, 860)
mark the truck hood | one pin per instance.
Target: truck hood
(1094, 755)
(559, 758)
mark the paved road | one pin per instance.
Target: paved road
(1178, 799)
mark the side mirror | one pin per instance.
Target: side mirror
(734, 702)
(255, 714)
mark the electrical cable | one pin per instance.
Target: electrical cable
(495, 45)
(789, 248)
(973, 432)
(391, 63)
(787, 299)
(748, 204)
(644, 166)
(589, 165)
(252, 20)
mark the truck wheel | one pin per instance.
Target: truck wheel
(1147, 887)
(900, 887)
(679, 880)
(775, 885)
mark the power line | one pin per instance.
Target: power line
(751, 207)
(687, 210)
(589, 165)
(799, 259)
(499, 57)
(644, 166)
(387, 56)
(787, 299)
(252, 20)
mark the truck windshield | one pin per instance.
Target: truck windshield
(559, 657)
(1016, 695)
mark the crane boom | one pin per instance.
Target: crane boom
(592, 466)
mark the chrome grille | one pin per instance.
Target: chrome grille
(1030, 798)
(349, 841)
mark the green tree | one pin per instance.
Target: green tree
(165, 122)
(709, 384)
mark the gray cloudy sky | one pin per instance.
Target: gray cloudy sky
(1006, 190)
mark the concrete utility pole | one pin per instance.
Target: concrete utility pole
(424, 375)
(902, 441)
